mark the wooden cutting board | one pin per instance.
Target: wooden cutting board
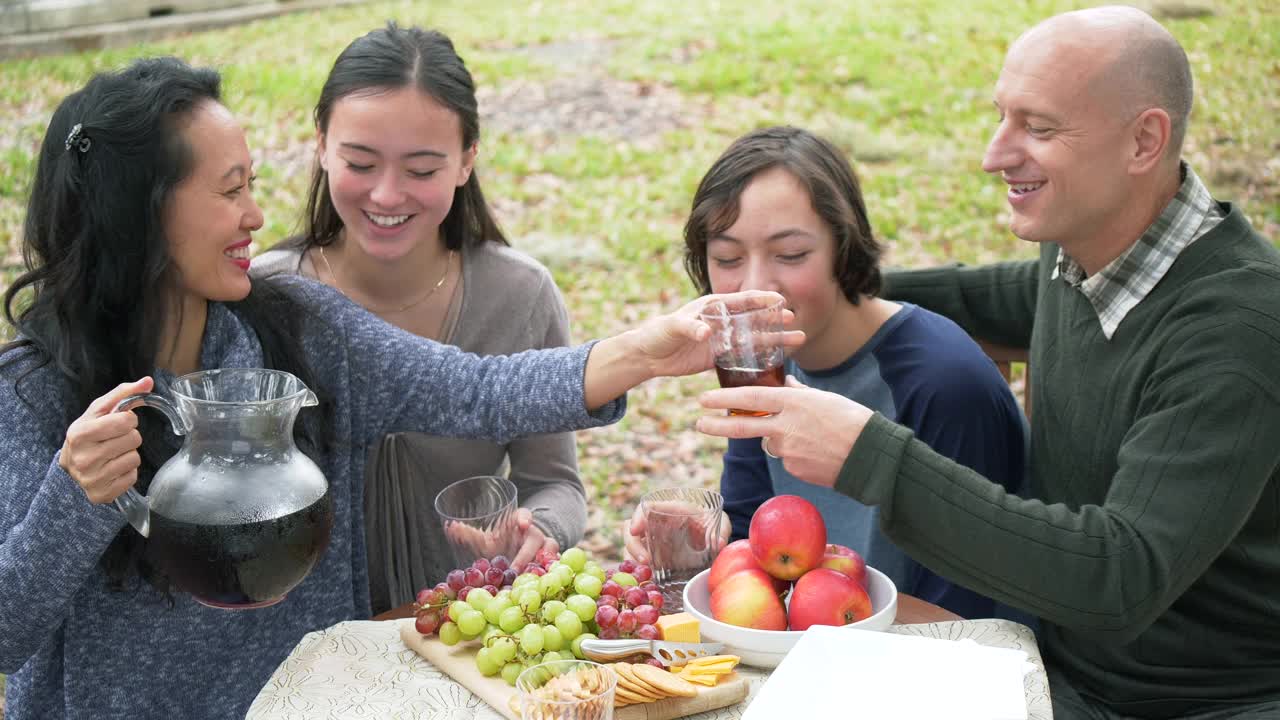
(459, 663)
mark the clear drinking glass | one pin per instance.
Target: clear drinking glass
(682, 535)
(746, 341)
(478, 515)
(567, 690)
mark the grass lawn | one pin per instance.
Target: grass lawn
(598, 189)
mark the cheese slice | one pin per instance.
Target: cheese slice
(714, 669)
(703, 677)
(695, 672)
(679, 627)
(714, 659)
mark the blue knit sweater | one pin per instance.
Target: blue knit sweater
(75, 649)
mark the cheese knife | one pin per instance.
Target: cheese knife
(668, 653)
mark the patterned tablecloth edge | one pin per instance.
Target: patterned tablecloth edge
(361, 669)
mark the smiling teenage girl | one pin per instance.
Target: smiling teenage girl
(397, 222)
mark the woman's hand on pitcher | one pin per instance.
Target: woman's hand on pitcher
(100, 451)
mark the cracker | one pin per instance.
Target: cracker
(627, 675)
(630, 696)
(665, 681)
(635, 689)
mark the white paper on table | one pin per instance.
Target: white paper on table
(878, 675)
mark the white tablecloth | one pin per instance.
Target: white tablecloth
(363, 670)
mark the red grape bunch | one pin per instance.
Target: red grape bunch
(491, 574)
(629, 603)
(433, 604)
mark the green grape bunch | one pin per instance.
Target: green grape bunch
(540, 614)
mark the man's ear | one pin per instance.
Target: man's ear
(1152, 132)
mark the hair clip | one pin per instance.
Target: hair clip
(77, 139)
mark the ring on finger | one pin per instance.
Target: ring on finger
(764, 444)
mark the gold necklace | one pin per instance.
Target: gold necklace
(384, 311)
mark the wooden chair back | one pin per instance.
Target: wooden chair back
(1012, 364)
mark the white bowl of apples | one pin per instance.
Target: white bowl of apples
(748, 613)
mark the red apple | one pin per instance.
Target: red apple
(747, 599)
(734, 557)
(788, 536)
(846, 560)
(825, 597)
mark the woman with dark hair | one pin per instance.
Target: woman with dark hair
(136, 248)
(396, 220)
(782, 210)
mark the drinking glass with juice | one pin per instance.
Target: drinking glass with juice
(746, 341)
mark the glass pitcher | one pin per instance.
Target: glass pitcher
(239, 515)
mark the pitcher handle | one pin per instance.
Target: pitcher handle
(158, 402)
(132, 504)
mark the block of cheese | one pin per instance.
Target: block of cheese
(679, 627)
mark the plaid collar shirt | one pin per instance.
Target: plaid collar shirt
(1124, 282)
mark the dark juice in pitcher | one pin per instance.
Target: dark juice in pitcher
(740, 377)
(240, 565)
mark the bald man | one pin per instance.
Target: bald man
(1149, 543)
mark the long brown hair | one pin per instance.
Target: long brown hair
(95, 251)
(391, 58)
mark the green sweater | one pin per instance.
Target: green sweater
(1152, 547)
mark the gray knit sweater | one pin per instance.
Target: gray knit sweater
(74, 649)
(505, 302)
